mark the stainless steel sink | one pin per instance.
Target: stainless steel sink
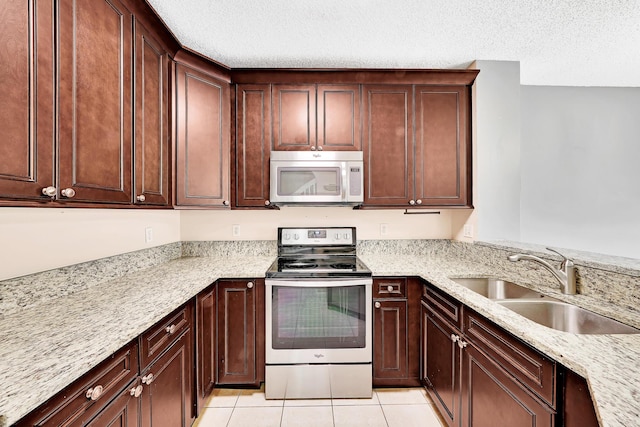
(566, 317)
(496, 289)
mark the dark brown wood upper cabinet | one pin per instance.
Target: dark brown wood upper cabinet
(442, 146)
(94, 100)
(431, 168)
(27, 107)
(322, 117)
(294, 117)
(151, 143)
(202, 138)
(252, 145)
(388, 145)
(339, 117)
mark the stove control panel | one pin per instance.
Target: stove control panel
(317, 236)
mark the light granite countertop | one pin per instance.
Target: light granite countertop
(47, 346)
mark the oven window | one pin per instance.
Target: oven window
(318, 317)
(309, 182)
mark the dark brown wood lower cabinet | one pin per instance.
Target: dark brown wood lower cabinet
(390, 338)
(441, 365)
(205, 344)
(240, 317)
(491, 397)
(578, 406)
(167, 399)
(123, 411)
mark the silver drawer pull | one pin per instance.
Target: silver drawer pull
(136, 391)
(250, 285)
(390, 288)
(148, 379)
(377, 304)
(94, 393)
(171, 329)
(68, 193)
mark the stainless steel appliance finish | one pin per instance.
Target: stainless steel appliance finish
(318, 317)
(317, 177)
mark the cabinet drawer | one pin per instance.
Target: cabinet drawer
(527, 365)
(443, 305)
(159, 337)
(389, 287)
(87, 396)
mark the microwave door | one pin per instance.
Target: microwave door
(318, 184)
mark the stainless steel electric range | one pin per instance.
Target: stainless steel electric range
(318, 316)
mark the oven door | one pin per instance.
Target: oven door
(314, 321)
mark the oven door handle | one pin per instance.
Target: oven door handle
(319, 283)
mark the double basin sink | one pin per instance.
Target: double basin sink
(542, 309)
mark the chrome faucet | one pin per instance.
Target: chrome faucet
(566, 274)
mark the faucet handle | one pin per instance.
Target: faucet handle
(566, 262)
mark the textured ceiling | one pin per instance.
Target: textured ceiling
(558, 42)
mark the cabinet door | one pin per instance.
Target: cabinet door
(206, 344)
(237, 326)
(202, 140)
(339, 117)
(390, 351)
(491, 397)
(578, 406)
(253, 145)
(27, 107)
(294, 117)
(123, 411)
(441, 366)
(151, 142)
(442, 146)
(166, 400)
(388, 145)
(94, 100)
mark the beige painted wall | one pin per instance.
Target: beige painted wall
(39, 239)
(263, 224)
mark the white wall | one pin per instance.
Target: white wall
(496, 144)
(263, 224)
(39, 239)
(581, 168)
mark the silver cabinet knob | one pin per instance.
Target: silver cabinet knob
(390, 288)
(141, 198)
(320, 148)
(49, 191)
(412, 202)
(148, 379)
(313, 148)
(94, 393)
(267, 203)
(377, 304)
(171, 329)
(225, 202)
(68, 193)
(136, 391)
(418, 202)
(461, 344)
(250, 285)
(454, 337)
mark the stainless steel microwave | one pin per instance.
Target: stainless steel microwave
(316, 177)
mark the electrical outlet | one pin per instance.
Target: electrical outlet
(235, 230)
(148, 235)
(467, 231)
(384, 228)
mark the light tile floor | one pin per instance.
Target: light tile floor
(388, 407)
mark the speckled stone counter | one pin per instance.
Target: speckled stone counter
(47, 344)
(611, 363)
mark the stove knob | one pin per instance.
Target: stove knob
(286, 236)
(346, 236)
(337, 236)
(296, 237)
